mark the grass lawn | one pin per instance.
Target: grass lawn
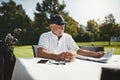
(23, 51)
(26, 51)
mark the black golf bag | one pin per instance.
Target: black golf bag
(1, 61)
(7, 57)
(7, 61)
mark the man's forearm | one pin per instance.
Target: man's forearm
(45, 54)
(87, 53)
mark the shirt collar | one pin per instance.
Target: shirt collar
(55, 36)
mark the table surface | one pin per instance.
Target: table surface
(29, 69)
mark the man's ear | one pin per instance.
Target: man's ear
(51, 26)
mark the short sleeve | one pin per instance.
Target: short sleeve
(43, 41)
(72, 44)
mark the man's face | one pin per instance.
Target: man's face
(57, 29)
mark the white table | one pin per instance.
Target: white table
(29, 69)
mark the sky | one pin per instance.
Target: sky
(80, 10)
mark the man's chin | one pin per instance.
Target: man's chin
(61, 34)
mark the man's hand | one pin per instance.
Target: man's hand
(99, 54)
(67, 56)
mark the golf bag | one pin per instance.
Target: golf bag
(7, 61)
(7, 57)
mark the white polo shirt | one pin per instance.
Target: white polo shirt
(50, 42)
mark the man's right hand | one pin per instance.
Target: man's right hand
(67, 56)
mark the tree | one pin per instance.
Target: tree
(108, 28)
(117, 30)
(71, 27)
(13, 16)
(81, 33)
(93, 28)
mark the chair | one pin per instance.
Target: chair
(93, 48)
(34, 47)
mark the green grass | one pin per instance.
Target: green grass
(26, 51)
(23, 51)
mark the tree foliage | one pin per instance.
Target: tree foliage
(93, 28)
(71, 27)
(108, 28)
(12, 16)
